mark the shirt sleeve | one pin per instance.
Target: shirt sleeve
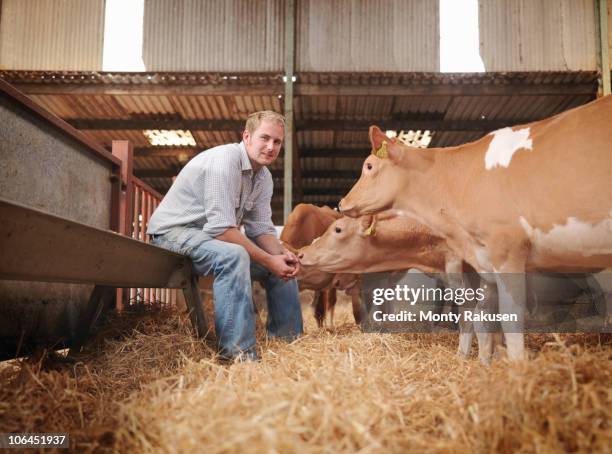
(218, 191)
(258, 221)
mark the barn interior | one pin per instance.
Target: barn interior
(90, 144)
(378, 65)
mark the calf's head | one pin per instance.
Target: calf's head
(341, 247)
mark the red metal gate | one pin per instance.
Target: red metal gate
(138, 201)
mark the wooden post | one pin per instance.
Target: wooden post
(601, 10)
(297, 171)
(123, 150)
(289, 69)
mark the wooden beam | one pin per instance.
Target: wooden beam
(335, 153)
(152, 123)
(167, 152)
(304, 125)
(514, 89)
(417, 89)
(178, 89)
(157, 173)
(408, 123)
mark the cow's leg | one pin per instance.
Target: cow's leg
(455, 278)
(466, 333)
(484, 330)
(498, 341)
(358, 308)
(319, 307)
(485, 347)
(330, 306)
(511, 290)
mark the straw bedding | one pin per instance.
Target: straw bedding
(145, 385)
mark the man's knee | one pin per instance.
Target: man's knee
(236, 255)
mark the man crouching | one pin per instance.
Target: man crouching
(219, 190)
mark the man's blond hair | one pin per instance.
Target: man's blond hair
(255, 119)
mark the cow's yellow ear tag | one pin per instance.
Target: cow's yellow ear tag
(370, 230)
(382, 152)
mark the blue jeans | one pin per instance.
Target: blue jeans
(234, 312)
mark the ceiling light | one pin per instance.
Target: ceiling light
(170, 138)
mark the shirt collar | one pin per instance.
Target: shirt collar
(245, 162)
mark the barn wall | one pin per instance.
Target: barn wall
(42, 168)
(331, 35)
(366, 35)
(543, 35)
(52, 34)
(213, 35)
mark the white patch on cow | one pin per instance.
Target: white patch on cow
(315, 240)
(575, 236)
(505, 143)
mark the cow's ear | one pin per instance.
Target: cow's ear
(367, 225)
(377, 138)
(395, 151)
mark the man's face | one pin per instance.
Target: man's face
(264, 144)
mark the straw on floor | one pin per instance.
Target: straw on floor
(145, 384)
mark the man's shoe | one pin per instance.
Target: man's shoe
(242, 357)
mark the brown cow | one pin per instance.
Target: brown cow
(304, 224)
(531, 197)
(387, 242)
(390, 243)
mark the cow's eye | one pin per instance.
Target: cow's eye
(369, 166)
(338, 230)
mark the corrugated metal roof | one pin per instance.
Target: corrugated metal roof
(142, 80)
(52, 34)
(527, 35)
(105, 138)
(249, 79)
(535, 77)
(84, 106)
(332, 139)
(348, 107)
(318, 184)
(511, 107)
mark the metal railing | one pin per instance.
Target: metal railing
(137, 204)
